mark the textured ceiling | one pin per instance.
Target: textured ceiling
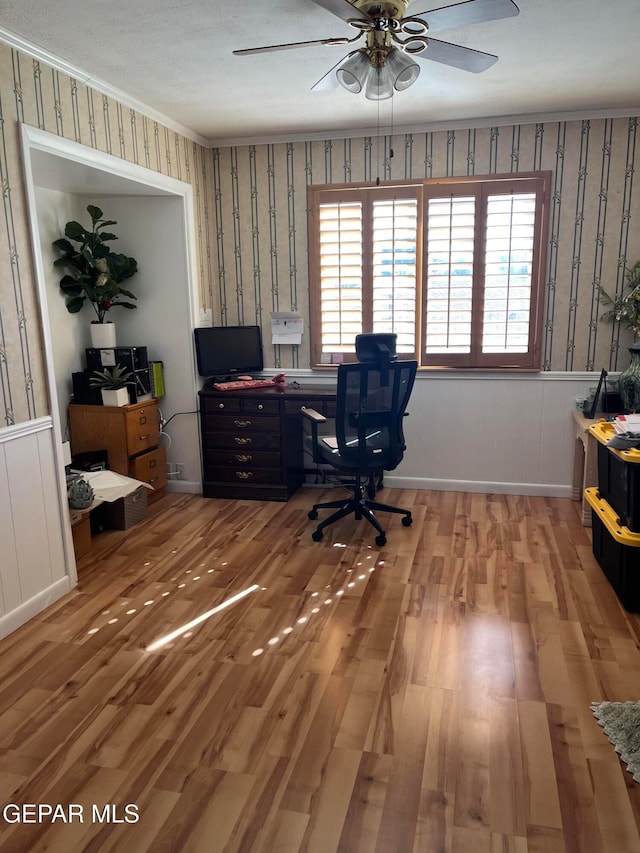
(175, 56)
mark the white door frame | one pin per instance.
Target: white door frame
(84, 162)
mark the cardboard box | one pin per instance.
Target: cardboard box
(81, 533)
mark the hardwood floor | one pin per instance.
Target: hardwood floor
(432, 695)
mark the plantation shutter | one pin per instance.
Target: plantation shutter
(508, 272)
(340, 227)
(394, 248)
(450, 245)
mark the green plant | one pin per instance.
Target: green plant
(625, 307)
(111, 378)
(94, 271)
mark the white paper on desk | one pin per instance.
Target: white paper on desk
(110, 486)
(286, 327)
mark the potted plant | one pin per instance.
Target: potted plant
(94, 273)
(625, 310)
(113, 383)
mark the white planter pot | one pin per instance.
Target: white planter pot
(117, 397)
(103, 335)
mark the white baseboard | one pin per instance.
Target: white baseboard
(189, 487)
(545, 490)
(21, 614)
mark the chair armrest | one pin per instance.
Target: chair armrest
(313, 416)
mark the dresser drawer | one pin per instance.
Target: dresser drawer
(246, 476)
(249, 458)
(150, 467)
(142, 429)
(241, 441)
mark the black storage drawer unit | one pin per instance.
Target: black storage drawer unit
(618, 477)
(616, 549)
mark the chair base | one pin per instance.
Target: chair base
(361, 507)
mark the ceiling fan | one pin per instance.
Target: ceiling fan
(386, 63)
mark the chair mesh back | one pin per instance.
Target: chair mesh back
(371, 402)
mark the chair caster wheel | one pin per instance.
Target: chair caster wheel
(313, 514)
(407, 521)
(381, 540)
(317, 535)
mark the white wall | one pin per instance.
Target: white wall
(499, 433)
(152, 230)
(69, 332)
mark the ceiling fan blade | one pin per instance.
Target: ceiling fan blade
(458, 56)
(343, 9)
(468, 12)
(249, 50)
(329, 80)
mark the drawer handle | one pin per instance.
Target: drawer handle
(244, 475)
(243, 440)
(153, 463)
(142, 421)
(242, 424)
(221, 405)
(260, 406)
(144, 437)
(153, 479)
(243, 457)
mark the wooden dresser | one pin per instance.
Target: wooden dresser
(252, 441)
(129, 434)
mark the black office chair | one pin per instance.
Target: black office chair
(366, 436)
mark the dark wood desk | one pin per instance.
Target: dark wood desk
(252, 441)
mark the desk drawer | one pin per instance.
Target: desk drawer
(266, 407)
(217, 405)
(241, 441)
(325, 407)
(241, 423)
(246, 476)
(248, 458)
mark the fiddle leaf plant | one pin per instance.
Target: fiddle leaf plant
(625, 306)
(94, 271)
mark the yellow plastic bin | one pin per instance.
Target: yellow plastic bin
(618, 476)
(616, 549)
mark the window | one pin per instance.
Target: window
(454, 267)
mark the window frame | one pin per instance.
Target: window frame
(480, 186)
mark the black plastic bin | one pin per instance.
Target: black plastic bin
(618, 477)
(616, 549)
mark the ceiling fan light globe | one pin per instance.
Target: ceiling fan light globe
(403, 70)
(352, 74)
(379, 85)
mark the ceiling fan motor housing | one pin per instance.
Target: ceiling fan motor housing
(394, 10)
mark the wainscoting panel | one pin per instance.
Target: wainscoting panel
(505, 434)
(34, 536)
(502, 433)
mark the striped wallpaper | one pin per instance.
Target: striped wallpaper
(251, 214)
(37, 95)
(260, 219)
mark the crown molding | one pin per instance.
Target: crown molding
(42, 55)
(429, 127)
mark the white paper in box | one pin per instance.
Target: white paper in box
(110, 486)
